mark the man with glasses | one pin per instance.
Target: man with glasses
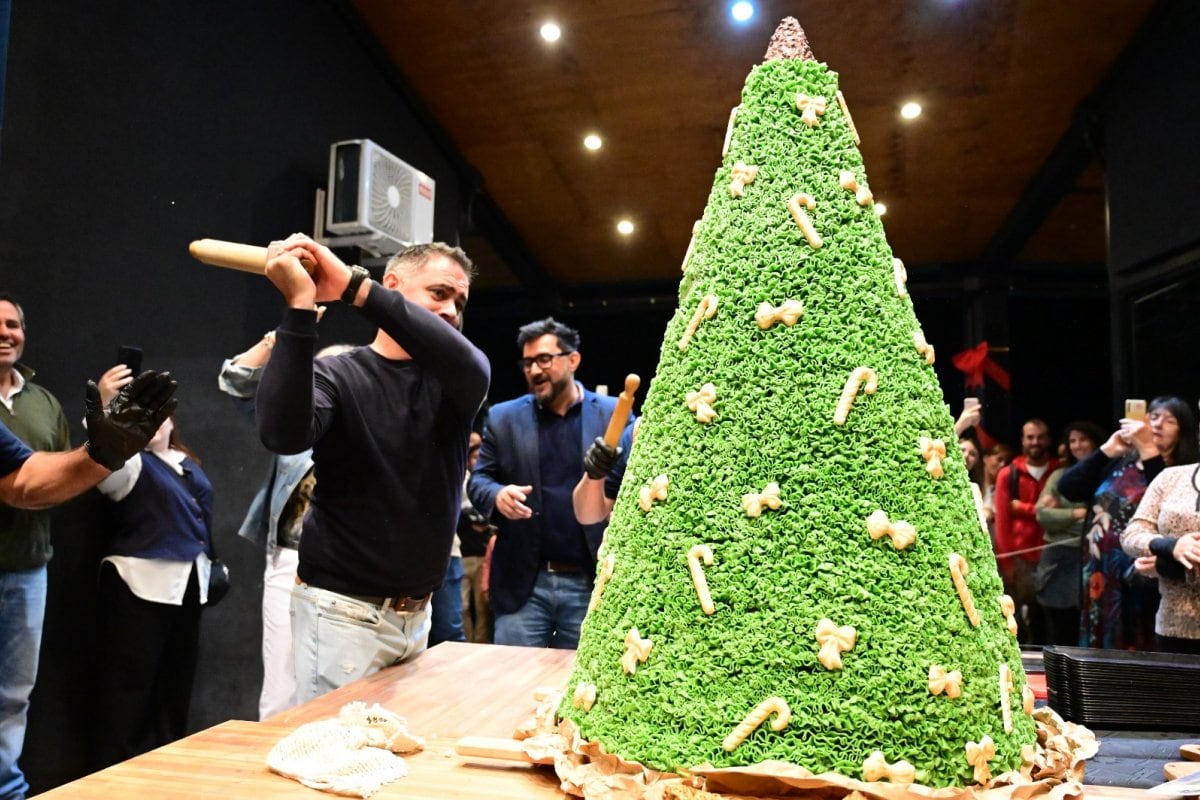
(532, 456)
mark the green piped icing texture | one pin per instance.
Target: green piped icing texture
(776, 576)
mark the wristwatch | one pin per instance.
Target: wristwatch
(357, 276)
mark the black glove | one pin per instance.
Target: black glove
(131, 419)
(600, 458)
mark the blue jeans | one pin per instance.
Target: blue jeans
(336, 639)
(553, 614)
(446, 607)
(22, 608)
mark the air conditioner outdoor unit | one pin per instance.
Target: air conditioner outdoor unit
(376, 201)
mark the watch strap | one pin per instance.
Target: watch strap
(357, 276)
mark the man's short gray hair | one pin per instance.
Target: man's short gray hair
(414, 257)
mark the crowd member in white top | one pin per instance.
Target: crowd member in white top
(153, 584)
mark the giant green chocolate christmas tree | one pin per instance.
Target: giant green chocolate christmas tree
(795, 462)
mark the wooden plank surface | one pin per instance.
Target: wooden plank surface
(448, 692)
(451, 691)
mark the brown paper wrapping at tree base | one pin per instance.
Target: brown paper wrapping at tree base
(1055, 771)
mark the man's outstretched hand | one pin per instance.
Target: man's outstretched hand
(132, 417)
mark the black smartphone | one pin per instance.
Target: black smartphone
(130, 357)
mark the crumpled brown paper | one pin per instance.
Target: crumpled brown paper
(1053, 770)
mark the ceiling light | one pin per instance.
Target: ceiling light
(910, 110)
(741, 11)
(880, 209)
(592, 141)
(551, 32)
(624, 227)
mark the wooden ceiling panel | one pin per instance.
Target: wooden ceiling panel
(1000, 81)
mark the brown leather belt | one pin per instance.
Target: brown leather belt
(565, 567)
(401, 605)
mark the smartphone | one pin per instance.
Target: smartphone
(130, 357)
(1135, 409)
(970, 402)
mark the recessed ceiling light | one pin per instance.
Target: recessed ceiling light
(741, 11)
(880, 209)
(592, 141)
(551, 32)
(624, 227)
(910, 110)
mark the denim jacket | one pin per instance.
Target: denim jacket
(285, 474)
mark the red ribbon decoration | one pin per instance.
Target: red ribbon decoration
(975, 363)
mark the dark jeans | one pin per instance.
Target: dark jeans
(446, 609)
(145, 672)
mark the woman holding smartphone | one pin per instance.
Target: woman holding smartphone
(1117, 606)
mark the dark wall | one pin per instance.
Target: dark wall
(1151, 121)
(129, 129)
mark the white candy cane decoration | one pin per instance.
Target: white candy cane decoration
(861, 375)
(849, 119)
(796, 206)
(1006, 688)
(900, 274)
(698, 553)
(687, 256)
(707, 309)
(958, 574)
(772, 705)
(606, 571)
(729, 131)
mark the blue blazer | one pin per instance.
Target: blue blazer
(509, 455)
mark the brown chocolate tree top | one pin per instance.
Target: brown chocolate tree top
(789, 41)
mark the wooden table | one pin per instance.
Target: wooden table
(451, 691)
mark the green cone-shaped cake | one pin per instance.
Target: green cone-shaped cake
(795, 431)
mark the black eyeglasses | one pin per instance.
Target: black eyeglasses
(543, 360)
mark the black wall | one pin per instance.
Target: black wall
(1152, 182)
(130, 129)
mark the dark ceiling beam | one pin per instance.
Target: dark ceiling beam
(480, 214)
(1053, 180)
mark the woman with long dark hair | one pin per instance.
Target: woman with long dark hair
(1117, 604)
(153, 584)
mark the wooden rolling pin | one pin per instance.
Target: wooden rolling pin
(231, 255)
(502, 749)
(621, 413)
